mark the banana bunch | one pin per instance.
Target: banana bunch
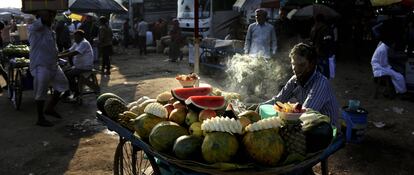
(222, 124)
(125, 119)
(156, 109)
(268, 123)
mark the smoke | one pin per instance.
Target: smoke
(256, 78)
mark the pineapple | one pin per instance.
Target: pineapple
(294, 138)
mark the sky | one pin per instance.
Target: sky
(10, 3)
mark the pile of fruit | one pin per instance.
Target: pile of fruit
(16, 50)
(191, 124)
(188, 77)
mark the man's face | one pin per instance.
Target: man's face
(78, 38)
(47, 16)
(301, 66)
(260, 17)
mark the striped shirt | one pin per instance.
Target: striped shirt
(316, 94)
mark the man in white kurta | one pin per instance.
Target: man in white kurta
(261, 37)
(44, 67)
(381, 67)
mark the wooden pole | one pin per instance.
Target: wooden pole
(196, 37)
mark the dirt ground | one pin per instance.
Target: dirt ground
(78, 144)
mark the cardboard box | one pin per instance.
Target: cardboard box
(33, 5)
(409, 74)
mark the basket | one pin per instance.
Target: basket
(289, 116)
(188, 83)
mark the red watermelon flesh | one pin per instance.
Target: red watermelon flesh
(182, 94)
(207, 102)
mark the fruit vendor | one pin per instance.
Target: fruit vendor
(44, 66)
(82, 54)
(260, 37)
(308, 86)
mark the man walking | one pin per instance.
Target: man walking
(44, 66)
(260, 37)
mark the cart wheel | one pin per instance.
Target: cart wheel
(131, 160)
(17, 90)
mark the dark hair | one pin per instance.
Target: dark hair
(103, 20)
(304, 50)
(80, 33)
(261, 11)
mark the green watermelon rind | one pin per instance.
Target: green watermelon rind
(183, 94)
(207, 102)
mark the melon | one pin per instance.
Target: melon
(198, 103)
(182, 94)
(264, 146)
(113, 107)
(100, 101)
(219, 147)
(188, 147)
(253, 116)
(318, 137)
(164, 134)
(144, 123)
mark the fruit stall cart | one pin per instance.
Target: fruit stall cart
(134, 156)
(203, 130)
(166, 135)
(16, 57)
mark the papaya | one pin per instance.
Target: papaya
(264, 146)
(219, 147)
(144, 123)
(164, 134)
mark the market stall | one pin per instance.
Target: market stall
(16, 60)
(203, 130)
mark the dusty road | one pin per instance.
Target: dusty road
(77, 144)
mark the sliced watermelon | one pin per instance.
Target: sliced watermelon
(182, 94)
(206, 102)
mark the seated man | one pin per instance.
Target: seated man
(381, 67)
(308, 86)
(82, 54)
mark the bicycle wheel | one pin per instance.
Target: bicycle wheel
(17, 90)
(130, 160)
(10, 89)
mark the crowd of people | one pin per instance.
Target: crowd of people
(148, 33)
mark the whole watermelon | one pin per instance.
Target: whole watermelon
(164, 134)
(113, 107)
(219, 147)
(144, 123)
(318, 137)
(100, 101)
(188, 147)
(265, 146)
